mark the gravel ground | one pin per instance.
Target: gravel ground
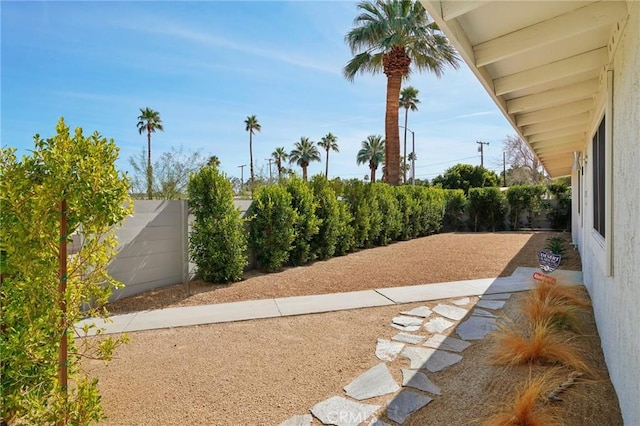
(261, 372)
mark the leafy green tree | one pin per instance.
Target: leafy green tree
(170, 172)
(372, 152)
(218, 241)
(307, 223)
(303, 154)
(409, 101)
(455, 205)
(390, 36)
(271, 227)
(149, 121)
(328, 142)
(465, 176)
(487, 208)
(251, 126)
(280, 155)
(68, 184)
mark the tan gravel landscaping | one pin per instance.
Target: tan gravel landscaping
(262, 372)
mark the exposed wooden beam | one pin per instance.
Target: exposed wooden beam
(453, 9)
(553, 97)
(551, 72)
(565, 110)
(555, 152)
(547, 126)
(560, 133)
(565, 140)
(553, 30)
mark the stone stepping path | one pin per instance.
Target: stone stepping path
(446, 343)
(386, 350)
(438, 325)
(490, 304)
(422, 312)
(408, 338)
(405, 404)
(377, 381)
(341, 411)
(437, 353)
(419, 380)
(451, 312)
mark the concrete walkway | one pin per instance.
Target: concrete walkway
(520, 280)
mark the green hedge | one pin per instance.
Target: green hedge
(218, 240)
(487, 208)
(325, 242)
(306, 225)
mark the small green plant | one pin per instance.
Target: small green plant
(307, 223)
(218, 241)
(556, 246)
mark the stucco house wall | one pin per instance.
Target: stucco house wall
(616, 295)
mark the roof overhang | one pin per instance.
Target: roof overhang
(542, 62)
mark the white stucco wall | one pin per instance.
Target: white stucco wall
(616, 298)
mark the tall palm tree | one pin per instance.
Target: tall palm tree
(251, 126)
(213, 161)
(280, 155)
(372, 152)
(391, 36)
(328, 142)
(149, 121)
(304, 153)
(409, 101)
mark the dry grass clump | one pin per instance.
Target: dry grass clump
(563, 306)
(529, 407)
(542, 344)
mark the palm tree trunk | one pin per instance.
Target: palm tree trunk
(326, 170)
(251, 160)
(392, 132)
(404, 167)
(304, 172)
(373, 174)
(149, 167)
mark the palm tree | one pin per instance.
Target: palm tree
(149, 121)
(408, 100)
(390, 36)
(304, 153)
(372, 152)
(251, 126)
(280, 155)
(213, 161)
(328, 142)
(413, 157)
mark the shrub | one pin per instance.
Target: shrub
(486, 207)
(525, 198)
(408, 209)
(560, 214)
(325, 242)
(218, 241)
(306, 224)
(391, 217)
(455, 204)
(433, 200)
(346, 235)
(367, 219)
(271, 226)
(556, 245)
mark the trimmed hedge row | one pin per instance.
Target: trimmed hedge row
(323, 223)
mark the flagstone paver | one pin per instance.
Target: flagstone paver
(462, 302)
(441, 360)
(419, 380)
(406, 321)
(405, 404)
(374, 382)
(490, 304)
(300, 420)
(497, 296)
(408, 338)
(451, 312)
(408, 328)
(422, 312)
(341, 411)
(437, 325)
(482, 313)
(476, 328)
(386, 350)
(446, 343)
(417, 356)
(377, 422)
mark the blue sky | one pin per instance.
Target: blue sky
(205, 66)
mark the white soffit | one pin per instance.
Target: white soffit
(541, 62)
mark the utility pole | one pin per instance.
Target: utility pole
(413, 158)
(242, 176)
(481, 151)
(270, 160)
(504, 167)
